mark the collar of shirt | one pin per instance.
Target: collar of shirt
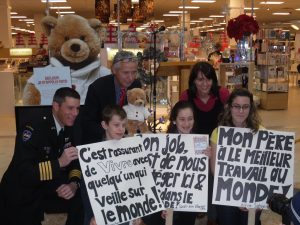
(57, 125)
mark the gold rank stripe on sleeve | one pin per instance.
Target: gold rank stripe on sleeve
(45, 171)
(74, 173)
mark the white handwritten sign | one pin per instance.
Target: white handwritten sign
(180, 170)
(118, 180)
(250, 167)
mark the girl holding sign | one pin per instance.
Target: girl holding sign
(240, 111)
(182, 122)
(208, 99)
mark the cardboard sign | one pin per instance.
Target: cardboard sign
(180, 170)
(119, 181)
(250, 167)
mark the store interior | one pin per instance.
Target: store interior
(191, 30)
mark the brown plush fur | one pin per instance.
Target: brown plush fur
(73, 40)
(137, 97)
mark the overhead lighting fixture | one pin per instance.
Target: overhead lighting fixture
(295, 27)
(178, 12)
(249, 8)
(298, 9)
(18, 17)
(197, 21)
(271, 3)
(13, 13)
(157, 21)
(281, 13)
(44, 1)
(216, 16)
(189, 7)
(66, 12)
(60, 7)
(203, 1)
(206, 19)
(134, 1)
(170, 14)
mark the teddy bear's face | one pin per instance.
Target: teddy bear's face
(74, 40)
(136, 96)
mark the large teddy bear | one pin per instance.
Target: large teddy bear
(72, 41)
(137, 113)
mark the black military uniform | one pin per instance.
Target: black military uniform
(27, 189)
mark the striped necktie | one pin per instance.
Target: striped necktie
(122, 97)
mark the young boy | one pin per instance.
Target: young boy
(114, 122)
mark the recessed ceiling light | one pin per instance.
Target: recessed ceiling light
(203, 1)
(281, 13)
(205, 18)
(298, 9)
(271, 3)
(44, 1)
(249, 8)
(216, 16)
(60, 7)
(18, 17)
(66, 12)
(170, 14)
(189, 7)
(178, 12)
(13, 13)
(196, 21)
(295, 27)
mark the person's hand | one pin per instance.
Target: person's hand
(67, 191)
(93, 221)
(68, 155)
(163, 214)
(207, 152)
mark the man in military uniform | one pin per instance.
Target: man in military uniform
(44, 173)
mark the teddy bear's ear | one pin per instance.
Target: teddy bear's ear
(95, 24)
(48, 23)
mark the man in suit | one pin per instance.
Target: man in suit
(108, 90)
(44, 172)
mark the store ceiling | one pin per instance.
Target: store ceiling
(86, 8)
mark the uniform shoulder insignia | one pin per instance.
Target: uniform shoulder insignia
(26, 135)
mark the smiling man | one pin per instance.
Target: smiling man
(44, 172)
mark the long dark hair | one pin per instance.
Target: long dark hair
(209, 72)
(172, 128)
(253, 120)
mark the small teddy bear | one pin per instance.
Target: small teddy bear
(136, 111)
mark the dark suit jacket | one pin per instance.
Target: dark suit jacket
(100, 94)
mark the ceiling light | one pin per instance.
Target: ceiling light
(205, 18)
(271, 3)
(66, 12)
(158, 21)
(281, 13)
(189, 7)
(134, 1)
(298, 9)
(60, 7)
(216, 16)
(44, 1)
(203, 1)
(170, 14)
(249, 8)
(295, 27)
(18, 17)
(196, 21)
(13, 13)
(178, 12)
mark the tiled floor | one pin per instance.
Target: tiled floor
(284, 120)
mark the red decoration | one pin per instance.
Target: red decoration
(44, 39)
(32, 40)
(112, 35)
(20, 41)
(243, 25)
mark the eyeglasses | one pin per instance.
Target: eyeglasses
(240, 108)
